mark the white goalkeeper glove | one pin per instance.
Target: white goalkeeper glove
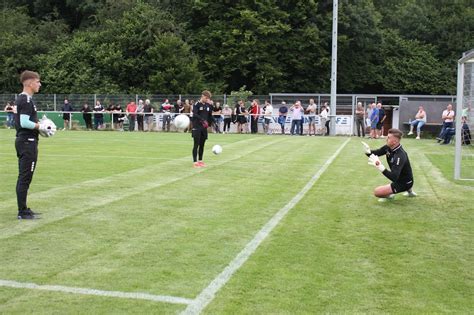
(47, 128)
(366, 147)
(375, 161)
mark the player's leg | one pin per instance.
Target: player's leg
(384, 191)
(197, 139)
(27, 152)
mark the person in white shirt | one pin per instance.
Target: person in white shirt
(267, 113)
(448, 121)
(296, 115)
(311, 111)
(420, 121)
(324, 119)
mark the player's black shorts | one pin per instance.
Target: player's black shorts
(379, 126)
(398, 187)
(199, 133)
(67, 116)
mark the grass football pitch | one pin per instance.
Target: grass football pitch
(273, 225)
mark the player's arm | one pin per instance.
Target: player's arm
(396, 168)
(379, 152)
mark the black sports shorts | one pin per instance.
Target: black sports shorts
(398, 187)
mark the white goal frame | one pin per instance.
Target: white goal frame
(463, 99)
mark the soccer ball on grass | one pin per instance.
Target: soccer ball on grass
(217, 149)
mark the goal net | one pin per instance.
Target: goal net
(464, 154)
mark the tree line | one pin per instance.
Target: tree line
(183, 46)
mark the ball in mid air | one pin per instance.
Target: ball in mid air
(181, 121)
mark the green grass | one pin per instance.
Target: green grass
(127, 212)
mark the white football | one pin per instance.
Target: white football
(217, 149)
(181, 121)
(51, 127)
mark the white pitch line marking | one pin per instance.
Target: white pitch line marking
(207, 295)
(86, 291)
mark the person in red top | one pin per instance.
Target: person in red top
(254, 115)
(132, 116)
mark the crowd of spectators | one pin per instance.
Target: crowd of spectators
(245, 118)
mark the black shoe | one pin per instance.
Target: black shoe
(33, 212)
(26, 216)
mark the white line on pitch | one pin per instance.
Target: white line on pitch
(85, 291)
(208, 294)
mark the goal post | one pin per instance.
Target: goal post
(464, 152)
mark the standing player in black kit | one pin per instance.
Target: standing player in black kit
(26, 144)
(400, 172)
(201, 120)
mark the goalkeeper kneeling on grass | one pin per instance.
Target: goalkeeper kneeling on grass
(400, 172)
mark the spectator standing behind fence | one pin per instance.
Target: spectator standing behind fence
(311, 112)
(217, 115)
(110, 109)
(267, 114)
(98, 116)
(10, 110)
(382, 118)
(282, 114)
(296, 115)
(86, 115)
(302, 119)
(187, 108)
(227, 113)
(448, 119)
(120, 116)
(131, 111)
(419, 122)
(368, 122)
(359, 119)
(240, 113)
(374, 119)
(148, 119)
(254, 115)
(140, 117)
(324, 115)
(166, 109)
(66, 109)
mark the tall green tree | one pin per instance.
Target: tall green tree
(264, 45)
(22, 40)
(140, 52)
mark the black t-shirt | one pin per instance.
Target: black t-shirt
(98, 108)
(202, 112)
(216, 109)
(25, 106)
(397, 159)
(381, 114)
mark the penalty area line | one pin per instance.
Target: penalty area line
(87, 291)
(207, 295)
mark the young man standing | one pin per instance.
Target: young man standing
(26, 143)
(400, 172)
(67, 109)
(202, 119)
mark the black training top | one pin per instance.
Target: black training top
(25, 106)
(397, 159)
(202, 112)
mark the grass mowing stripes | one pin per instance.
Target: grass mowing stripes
(127, 212)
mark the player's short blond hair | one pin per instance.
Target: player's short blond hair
(28, 75)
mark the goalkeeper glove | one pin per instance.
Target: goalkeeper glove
(375, 161)
(46, 128)
(366, 147)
